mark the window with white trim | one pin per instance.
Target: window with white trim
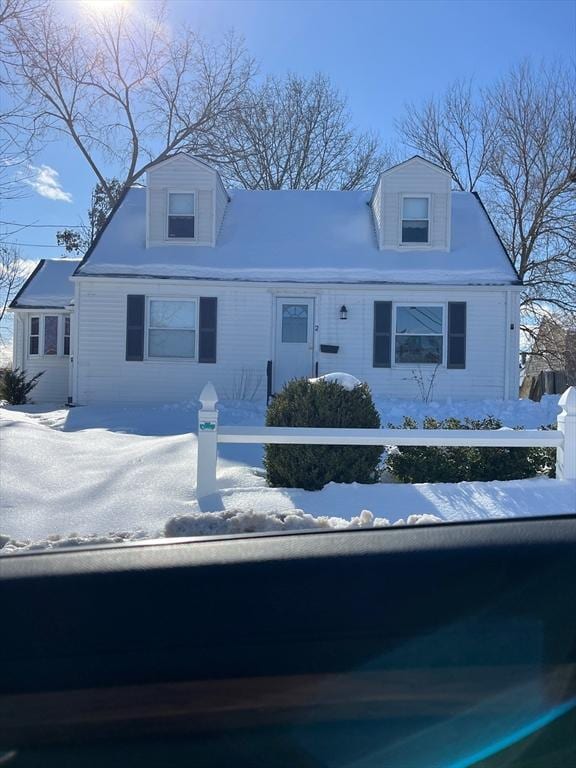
(50, 345)
(181, 215)
(34, 338)
(66, 339)
(172, 327)
(415, 220)
(49, 335)
(419, 334)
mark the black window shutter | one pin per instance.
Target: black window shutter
(207, 330)
(135, 312)
(457, 334)
(382, 357)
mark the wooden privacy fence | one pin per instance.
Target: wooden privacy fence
(210, 434)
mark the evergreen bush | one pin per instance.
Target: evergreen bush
(321, 404)
(15, 387)
(425, 464)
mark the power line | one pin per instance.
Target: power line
(32, 245)
(55, 226)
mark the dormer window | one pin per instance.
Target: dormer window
(415, 220)
(181, 214)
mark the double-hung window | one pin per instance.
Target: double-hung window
(415, 220)
(419, 334)
(181, 214)
(172, 328)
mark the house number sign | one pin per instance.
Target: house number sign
(208, 426)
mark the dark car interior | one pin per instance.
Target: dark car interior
(434, 646)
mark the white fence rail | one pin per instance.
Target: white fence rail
(210, 434)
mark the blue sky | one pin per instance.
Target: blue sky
(381, 54)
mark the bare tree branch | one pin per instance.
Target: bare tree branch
(295, 133)
(121, 89)
(516, 143)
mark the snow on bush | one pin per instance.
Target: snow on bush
(238, 521)
(427, 464)
(345, 380)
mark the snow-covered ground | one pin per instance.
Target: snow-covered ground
(109, 473)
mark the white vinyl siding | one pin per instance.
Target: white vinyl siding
(182, 175)
(53, 385)
(246, 338)
(415, 178)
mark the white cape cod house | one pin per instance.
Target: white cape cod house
(189, 282)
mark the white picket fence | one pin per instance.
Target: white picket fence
(210, 434)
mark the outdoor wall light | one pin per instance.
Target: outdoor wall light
(343, 312)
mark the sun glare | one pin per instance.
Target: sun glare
(105, 6)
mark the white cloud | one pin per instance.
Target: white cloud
(45, 181)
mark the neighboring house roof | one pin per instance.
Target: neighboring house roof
(302, 236)
(554, 349)
(48, 287)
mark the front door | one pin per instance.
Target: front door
(294, 340)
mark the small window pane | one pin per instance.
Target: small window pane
(171, 343)
(66, 335)
(414, 231)
(181, 204)
(419, 320)
(415, 208)
(173, 314)
(419, 349)
(294, 323)
(181, 226)
(51, 335)
(34, 340)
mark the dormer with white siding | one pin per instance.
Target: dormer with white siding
(411, 205)
(185, 203)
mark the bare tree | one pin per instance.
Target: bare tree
(456, 131)
(516, 143)
(126, 93)
(18, 123)
(12, 274)
(295, 133)
(532, 182)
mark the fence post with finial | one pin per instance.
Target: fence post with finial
(207, 442)
(566, 453)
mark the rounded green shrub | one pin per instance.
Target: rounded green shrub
(321, 404)
(426, 464)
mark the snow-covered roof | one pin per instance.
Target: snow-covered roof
(48, 286)
(302, 236)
